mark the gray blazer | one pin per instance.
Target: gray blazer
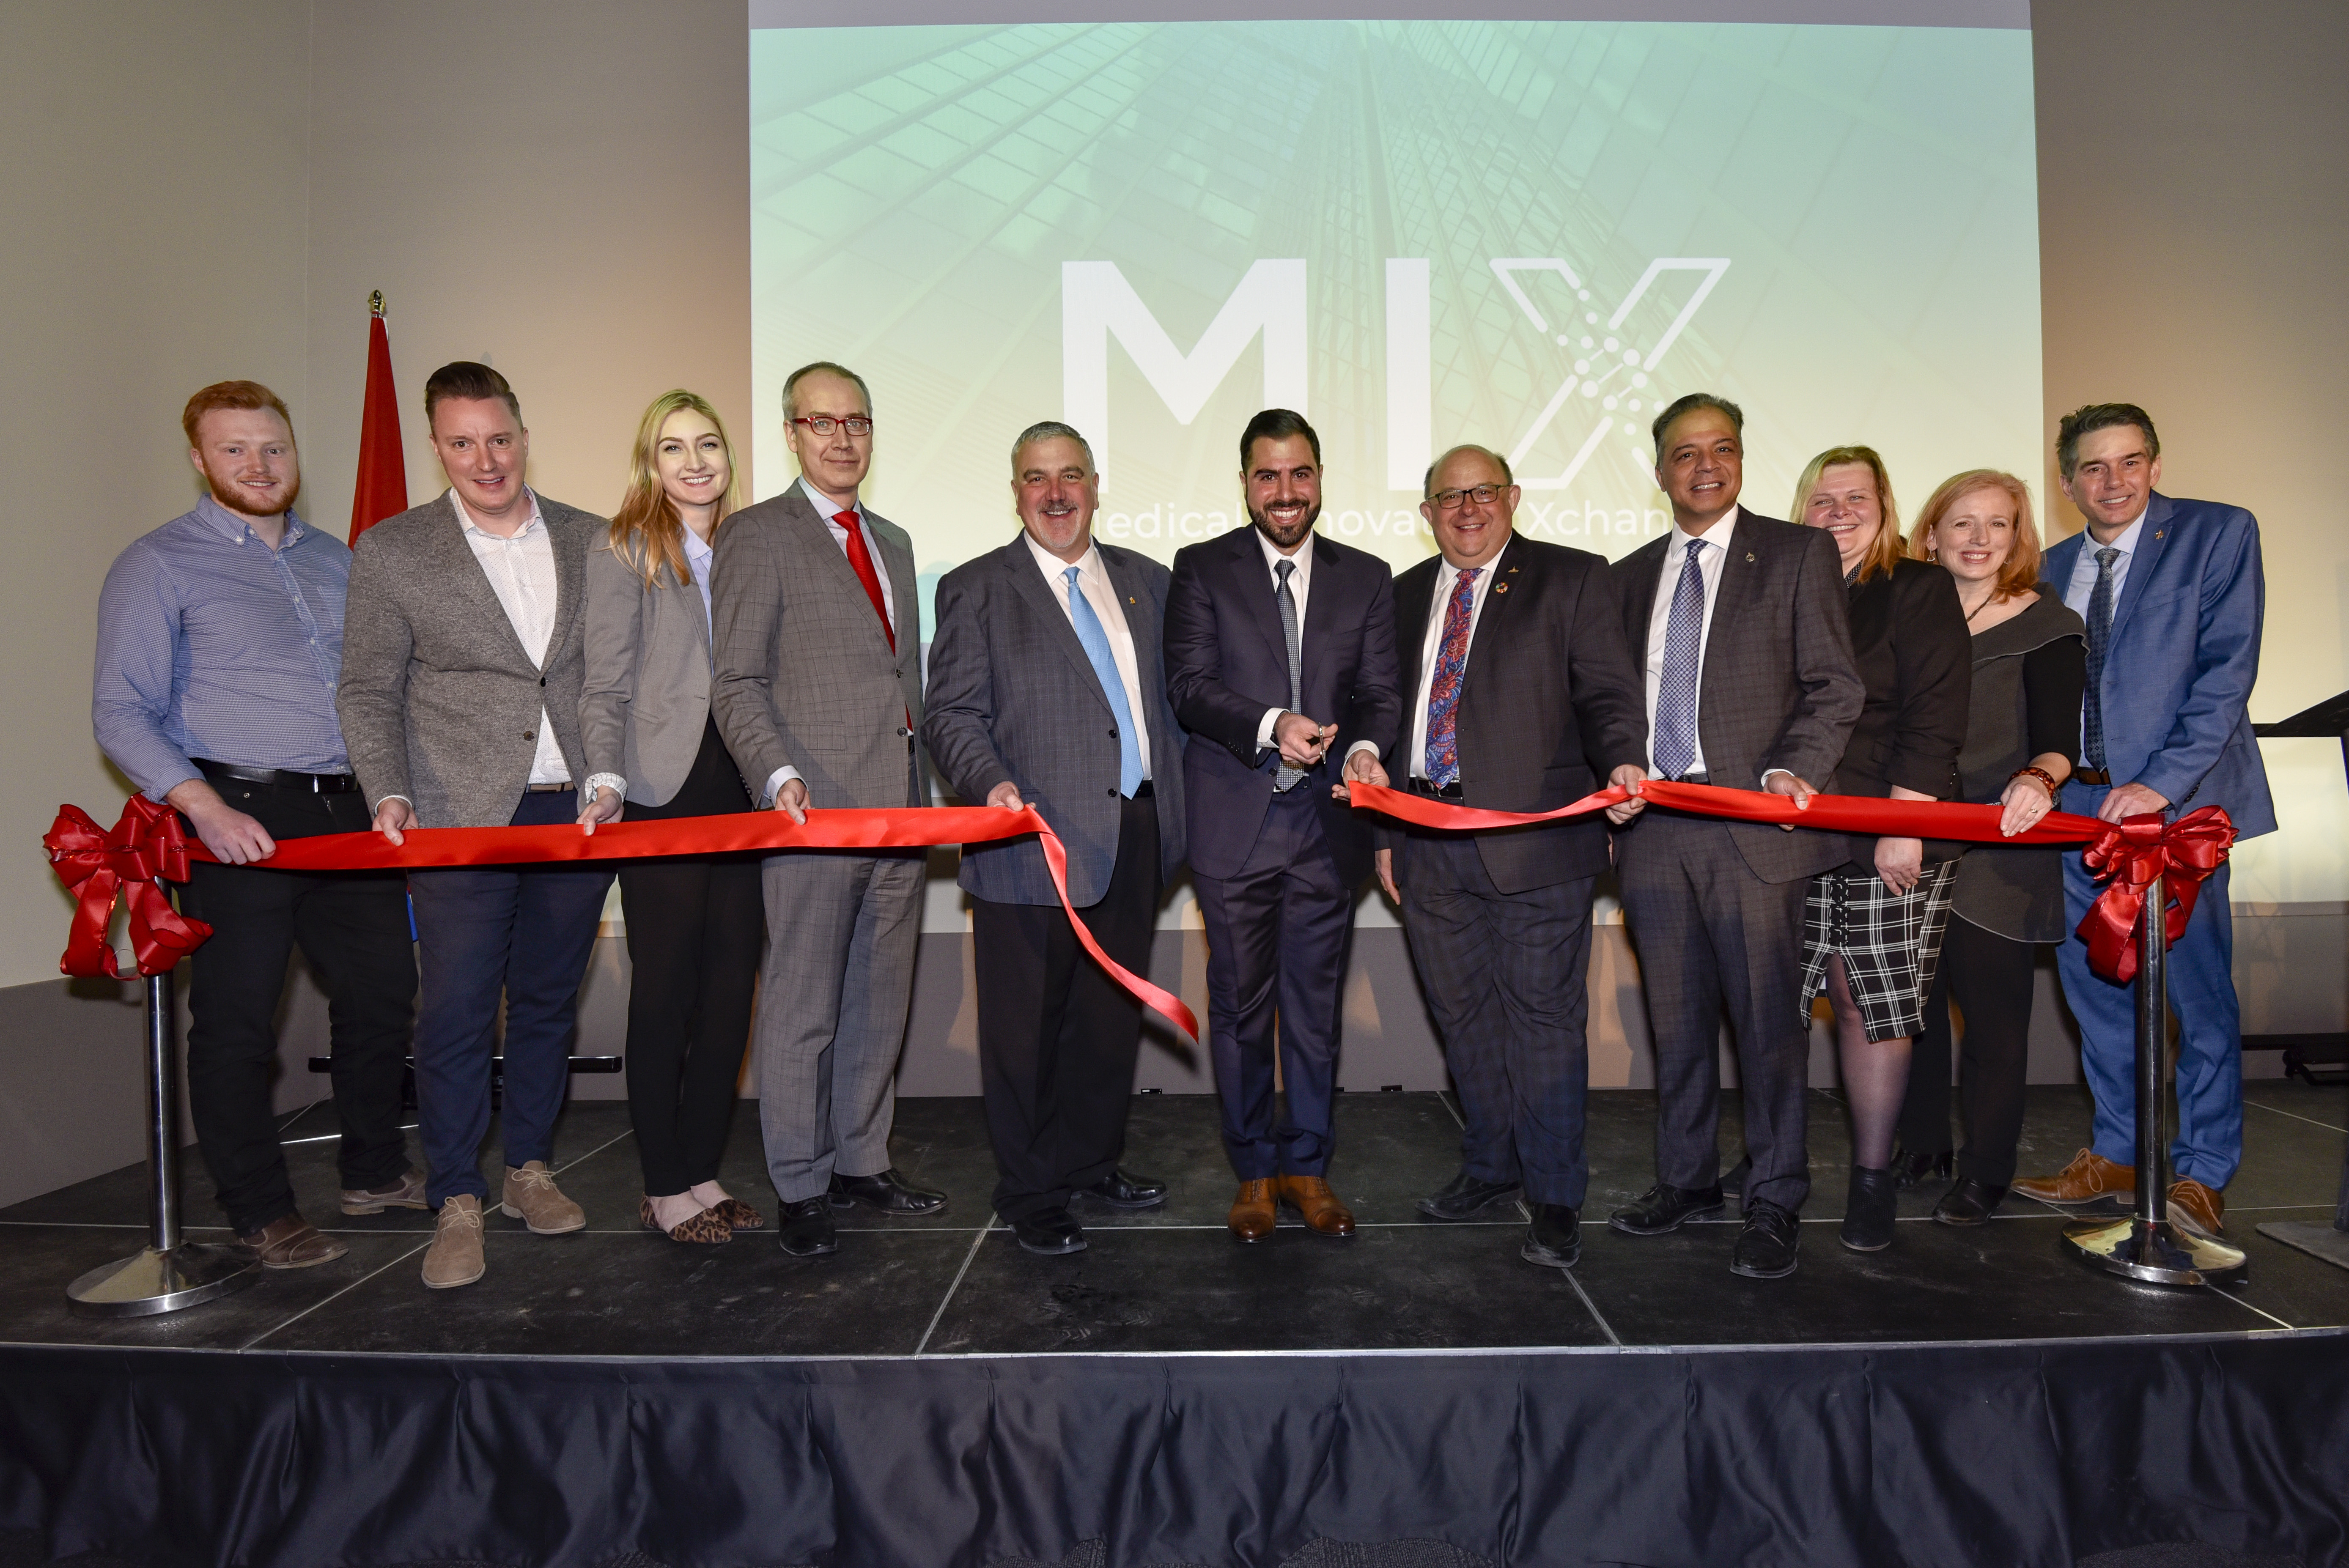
(805, 675)
(647, 692)
(1779, 687)
(439, 703)
(1014, 697)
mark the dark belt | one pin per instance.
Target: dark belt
(1691, 777)
(2092, 776)
(546, 789)
(1142, 791)
(1448, 792)
(279, 778)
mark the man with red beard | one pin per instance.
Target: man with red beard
(1280, 661)
(219, 644)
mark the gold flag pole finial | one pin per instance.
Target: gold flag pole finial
(375, 302)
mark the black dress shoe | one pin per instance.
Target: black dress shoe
(1051, 1234)
(1767, 1248)
(1555, 1238)
(1121, 1189)
(1665, 1208)
(1967, 1203)
(889, 1193)
(1868, 1210)
(806, 1230)
(1909, 1169)
(1733, 1179)
(1463, 1197)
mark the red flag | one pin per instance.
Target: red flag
(382, 488)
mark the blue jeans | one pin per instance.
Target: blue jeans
(523, 933)
(2209, 1140)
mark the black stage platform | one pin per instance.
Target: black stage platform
(933, 1394)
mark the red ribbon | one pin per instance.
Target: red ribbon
(146, 846)
(2131, 853)
(762, 832)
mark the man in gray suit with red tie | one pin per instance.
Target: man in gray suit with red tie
(1739, 627)
(1048, 688)
(1281, 659)
(818, 690)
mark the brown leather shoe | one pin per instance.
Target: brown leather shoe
(2197, 1207)
(2089, 1177)
(291, 1242)
(454, 1257)
(408, 1193)
(531, 1197)
(1254, 1211)
(1310, 1196)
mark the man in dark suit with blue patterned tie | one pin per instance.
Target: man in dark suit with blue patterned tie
(1047, 689)
(1280, 660)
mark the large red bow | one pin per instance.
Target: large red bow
(146, 845)
(2129, 854)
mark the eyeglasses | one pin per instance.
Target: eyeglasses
(824, 424)
(1454, 499)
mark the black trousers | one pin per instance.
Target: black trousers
(353, 928)
(1057, 1038)
(696, 926)
(1990, 978)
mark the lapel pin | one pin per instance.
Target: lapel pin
(1749, 555)
(1500, 587)
(2157, 533)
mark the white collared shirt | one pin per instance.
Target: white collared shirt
(521, 571)
(1710, 560)
(1300, 588)
(1092, 581)
(698, 556)
(2083, 584)
(1447, 578)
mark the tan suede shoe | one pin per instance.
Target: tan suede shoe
(1310, 1196)
(408, 1193)
(454, 1257)
(2089, 1177)
(1253, 1211)
(291, 1242)
(2197, 1207)
(531, 1197)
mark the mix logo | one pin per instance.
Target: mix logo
(1605, 367)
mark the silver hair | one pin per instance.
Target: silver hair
(1046, 430)
(791, 385)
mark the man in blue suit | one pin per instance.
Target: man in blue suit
(2173, 597)
(1280, 661)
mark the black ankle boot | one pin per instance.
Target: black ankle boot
(1868, 1210)
(1909, 1168)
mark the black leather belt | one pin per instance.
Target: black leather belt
(1448, 792)
(544, 789)
(279, 778)
(2093, 775)
(1692, 777)
(1142, 791)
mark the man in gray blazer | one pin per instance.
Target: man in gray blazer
(817, 623)
(460, 702)
(1048, 688)
(1740, 631)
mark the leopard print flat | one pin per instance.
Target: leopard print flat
(705, 1227)
(739, 1214)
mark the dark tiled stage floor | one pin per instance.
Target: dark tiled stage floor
(1172, 1279)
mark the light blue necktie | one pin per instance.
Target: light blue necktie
(1091, 633)
(1676, 682)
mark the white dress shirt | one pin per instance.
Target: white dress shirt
(825, 508)
(1710, 560)
(521, 571)
(1092, 581)
(1300, 588)
(2084, 568)
(1447, 579)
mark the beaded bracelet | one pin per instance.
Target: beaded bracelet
(2046, 780)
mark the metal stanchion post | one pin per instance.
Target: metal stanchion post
(2146, 1245)
(169, 1273)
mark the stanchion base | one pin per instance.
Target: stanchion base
(149, 1281)
(2156, 1255)
(2317, 1238)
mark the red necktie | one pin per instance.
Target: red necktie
(860, 559)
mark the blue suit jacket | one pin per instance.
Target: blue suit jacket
(2185, 650)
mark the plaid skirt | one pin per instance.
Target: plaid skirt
(1890, 944)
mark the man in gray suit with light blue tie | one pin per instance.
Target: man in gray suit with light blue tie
(1048, 688)
(817, 624)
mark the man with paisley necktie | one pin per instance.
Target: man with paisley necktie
(1520, 695)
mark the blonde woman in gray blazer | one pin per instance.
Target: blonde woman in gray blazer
(696, 925)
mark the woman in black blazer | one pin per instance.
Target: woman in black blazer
(2023, 739)
(1872, 928)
